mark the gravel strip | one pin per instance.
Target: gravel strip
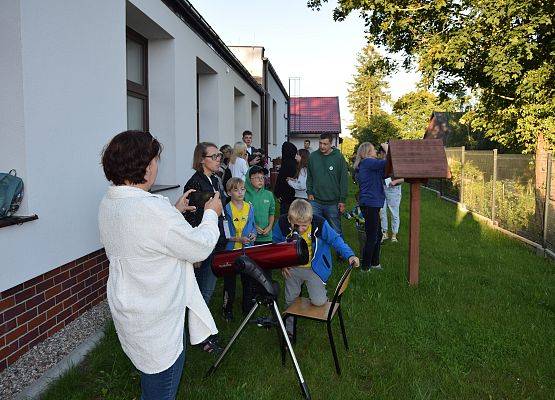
(33, 364)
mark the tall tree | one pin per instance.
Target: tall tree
(369, 89)
(413, 111)
(501, 50)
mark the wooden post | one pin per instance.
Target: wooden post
(416, 161)
(547, 195)
(493, 189)
(414, 235)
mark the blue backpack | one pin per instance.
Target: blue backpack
(11, 193)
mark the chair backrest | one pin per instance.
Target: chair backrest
(340, 289)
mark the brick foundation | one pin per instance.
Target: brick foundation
(38, 308)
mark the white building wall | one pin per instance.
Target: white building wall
(274, 147)
(63, 80)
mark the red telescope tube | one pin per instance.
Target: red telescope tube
(267, 256)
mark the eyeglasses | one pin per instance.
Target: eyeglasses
(214, 156)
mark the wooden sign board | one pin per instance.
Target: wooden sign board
(417, 159)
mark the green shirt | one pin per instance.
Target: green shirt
(327, 177)
(264, 206)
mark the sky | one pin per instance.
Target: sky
(299, 42)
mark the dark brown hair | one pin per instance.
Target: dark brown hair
(127, 156)
(200, 153)
(303, 163)
(327, 135)
(245, 133)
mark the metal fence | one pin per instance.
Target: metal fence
(516, 192)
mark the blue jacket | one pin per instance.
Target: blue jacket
(370, 178)
(250, 227)
(323, 237)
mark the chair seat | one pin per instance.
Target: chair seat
(304, 308)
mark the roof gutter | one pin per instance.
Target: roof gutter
(192, 18)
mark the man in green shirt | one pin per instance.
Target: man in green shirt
(327, 182)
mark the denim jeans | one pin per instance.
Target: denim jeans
(206, 279)
(163, 385)
(330, 212)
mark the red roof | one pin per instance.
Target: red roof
(314, 115)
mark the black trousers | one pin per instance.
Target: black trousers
(373, 229)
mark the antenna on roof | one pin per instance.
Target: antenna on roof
(294, 86)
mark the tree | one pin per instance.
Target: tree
(379, 129)
(368, 91)
(500, 50)
(413, 111)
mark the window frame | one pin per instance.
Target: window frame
(134, 89)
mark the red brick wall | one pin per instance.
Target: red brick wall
(38, 308)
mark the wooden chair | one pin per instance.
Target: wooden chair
(302, 308)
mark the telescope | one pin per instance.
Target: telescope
(271, 256)
(266, 256)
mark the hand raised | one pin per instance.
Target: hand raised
(214, 204)
(182, 203)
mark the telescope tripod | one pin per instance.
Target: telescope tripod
(269, 302)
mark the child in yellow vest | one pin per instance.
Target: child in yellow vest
(242, 232)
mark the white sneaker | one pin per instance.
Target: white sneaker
(378, 267)
(384, 236)
(394, 238)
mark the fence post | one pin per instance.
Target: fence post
(461, 200)
(547, 194)
(493, 189)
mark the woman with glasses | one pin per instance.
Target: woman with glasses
(206, 162)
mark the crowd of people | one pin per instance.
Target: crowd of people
(160, 254)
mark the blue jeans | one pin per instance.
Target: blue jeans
(206, 279)
(163, 385)
(330, 212)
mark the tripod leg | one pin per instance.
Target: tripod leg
(281, 342)
(304, 387)
(231, 341)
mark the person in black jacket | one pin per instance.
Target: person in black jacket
(206, 162)
(288, 169)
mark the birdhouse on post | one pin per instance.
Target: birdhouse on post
(416, 161)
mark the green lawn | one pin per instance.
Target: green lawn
(480, 325)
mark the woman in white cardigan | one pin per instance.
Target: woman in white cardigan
(151, 248)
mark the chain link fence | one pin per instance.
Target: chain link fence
(515, 191)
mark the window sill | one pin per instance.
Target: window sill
(17, 220)
(161, 188)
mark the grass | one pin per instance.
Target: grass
(479, 326)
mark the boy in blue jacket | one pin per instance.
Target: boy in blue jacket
(319, 237)
(242, 232)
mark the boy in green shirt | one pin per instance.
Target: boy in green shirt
(264, 206)
(263, 202)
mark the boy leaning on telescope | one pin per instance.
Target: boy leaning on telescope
(319, 236)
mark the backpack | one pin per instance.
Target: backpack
(11, 193)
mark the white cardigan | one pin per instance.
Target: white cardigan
(299, 185)
(151, 282)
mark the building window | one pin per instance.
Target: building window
(274, 122)
(137, 81)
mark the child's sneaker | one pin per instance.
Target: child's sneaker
(377, 267)
(394, 238)
(384, 236)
